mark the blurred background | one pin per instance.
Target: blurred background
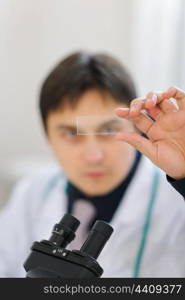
(148, 37)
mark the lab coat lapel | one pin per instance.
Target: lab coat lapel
(53, 210)
(133, 206)
(120, 251)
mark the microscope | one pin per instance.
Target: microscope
(51, 259)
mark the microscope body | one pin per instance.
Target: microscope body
(50, 258)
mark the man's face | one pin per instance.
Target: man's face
(95, 164)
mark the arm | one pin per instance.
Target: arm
(14, 232)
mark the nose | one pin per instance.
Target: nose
(93, 151)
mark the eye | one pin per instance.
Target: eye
(71, 133)
(108, 130)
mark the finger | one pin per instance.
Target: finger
(152, 103)
(168, 105)
(136, 106)
(151, 106)
(147, 103)
(143, 123)
(122, 111)
(155, 112)
(151, 100)
(176, 93)
(141, 103)
(139, 142)
(163, 105)
(158, 96)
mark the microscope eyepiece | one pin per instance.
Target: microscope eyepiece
(64, 232)
(98, 236)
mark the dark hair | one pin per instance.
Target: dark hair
(80, 72)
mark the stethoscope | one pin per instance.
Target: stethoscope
(146, 224)
(147, 220)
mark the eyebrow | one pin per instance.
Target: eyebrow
(65, 126)
(72, 127)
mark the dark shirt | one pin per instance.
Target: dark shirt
(179, 185)
(105, 205)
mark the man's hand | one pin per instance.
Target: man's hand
(165, 145)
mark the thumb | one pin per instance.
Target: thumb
(139, 142)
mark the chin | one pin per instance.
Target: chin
(95, 189)
(97, 192)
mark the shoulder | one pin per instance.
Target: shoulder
(167, 199)
(30, 190)
(145, 176)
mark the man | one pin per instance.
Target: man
(99, 178)
(165, 143)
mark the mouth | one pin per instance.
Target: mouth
(95, 174)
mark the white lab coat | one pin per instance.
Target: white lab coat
(40, 202)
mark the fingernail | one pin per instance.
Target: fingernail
(174, 103)
(133, 108)
(152, 99)
(122, 108)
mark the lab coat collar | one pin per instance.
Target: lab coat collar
(134, 205)
(130, 210)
